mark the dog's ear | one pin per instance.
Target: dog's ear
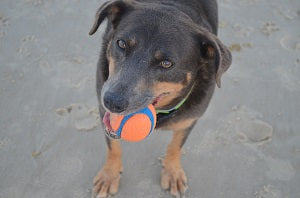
(113, 10)
(212, 48)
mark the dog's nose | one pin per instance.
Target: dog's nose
(116, 103)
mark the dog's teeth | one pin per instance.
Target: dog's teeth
(111, 134)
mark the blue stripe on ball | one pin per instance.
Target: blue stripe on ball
(145, 111)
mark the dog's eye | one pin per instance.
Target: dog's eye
(121, 44)
(166, 63)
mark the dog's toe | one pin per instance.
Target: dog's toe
(175, 180)
(106, 182)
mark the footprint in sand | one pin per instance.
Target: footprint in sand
(4, 22)
(290, 42)
(247, 126)
(269, 28)
(254, 131)
(84, 118)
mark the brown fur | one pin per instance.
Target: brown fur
(158, 55)
(132, 42)
(115, 10)
(188, 78)
(107, 180)
(173, 90)
(173, 176)
(210, 52)
(112, 65)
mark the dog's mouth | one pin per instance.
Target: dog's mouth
(158, 98)
(108, 128)
(106, 118)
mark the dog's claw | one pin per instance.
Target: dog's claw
(106, 183)
(175, 180)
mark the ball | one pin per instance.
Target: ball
(136, 126)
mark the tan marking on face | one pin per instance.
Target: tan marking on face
(173, 90)
(108, 50)
(188, 78)
(111, 65)
(181, 125)
(210, 51)
(115, 10)
(158, 55)
(111, 61)
(132, 42)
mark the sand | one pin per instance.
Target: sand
(52, 144)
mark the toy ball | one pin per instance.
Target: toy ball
(134, 127)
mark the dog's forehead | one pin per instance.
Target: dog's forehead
(152, 25)
(146, 31)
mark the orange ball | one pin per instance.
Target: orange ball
(136, 126)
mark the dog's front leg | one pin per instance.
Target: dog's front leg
(173, 176)
(107, 180)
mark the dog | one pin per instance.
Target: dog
(160, 52)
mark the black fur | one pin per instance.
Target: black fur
(183, 31)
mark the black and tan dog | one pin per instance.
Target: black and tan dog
(163, 52)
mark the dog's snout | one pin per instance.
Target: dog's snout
(116, 103)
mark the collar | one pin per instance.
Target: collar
(168, 111)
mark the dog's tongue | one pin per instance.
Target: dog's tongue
(106, 121)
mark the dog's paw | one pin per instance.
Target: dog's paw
(106, 182)
(174, 178)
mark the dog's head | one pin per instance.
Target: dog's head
(155, 55)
